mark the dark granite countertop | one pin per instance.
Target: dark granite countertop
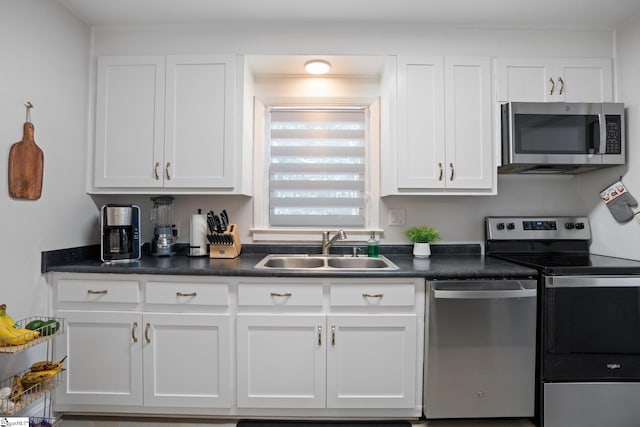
(446, 262)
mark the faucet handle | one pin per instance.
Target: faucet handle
(355, 250)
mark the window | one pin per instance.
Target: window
(317, 166)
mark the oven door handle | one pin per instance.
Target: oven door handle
(487, 289)
(592, 281)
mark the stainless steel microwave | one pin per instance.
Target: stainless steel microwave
(561, 137)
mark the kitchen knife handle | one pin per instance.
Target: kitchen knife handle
(155, 171)
(133, 332)
(441, 171)
(553, 86)
(167, 170)
(452, 171)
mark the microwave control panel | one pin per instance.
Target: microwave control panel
(614, 135)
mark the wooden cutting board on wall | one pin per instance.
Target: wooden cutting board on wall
(26, 164)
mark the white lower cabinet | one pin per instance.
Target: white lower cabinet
(281, 361)
(361, 349)
(241, 346)
(142, 344)
(186, 360)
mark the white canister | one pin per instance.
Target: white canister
(198, 243)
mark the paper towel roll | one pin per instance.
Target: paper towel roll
(198, 242)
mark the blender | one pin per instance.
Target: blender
(161, 216)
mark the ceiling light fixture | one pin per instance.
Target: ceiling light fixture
(317, 66)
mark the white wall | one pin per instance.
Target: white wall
(458, 218)
(609, 236)
(44, 60)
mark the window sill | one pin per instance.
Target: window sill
(308, 234)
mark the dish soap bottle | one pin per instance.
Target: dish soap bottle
(373, 249)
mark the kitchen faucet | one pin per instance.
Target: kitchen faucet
(326, 242)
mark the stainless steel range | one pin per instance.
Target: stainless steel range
(588, 320)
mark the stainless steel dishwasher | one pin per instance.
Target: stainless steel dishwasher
(481, 349)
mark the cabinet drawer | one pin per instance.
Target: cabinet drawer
(82, 290)
(187, 293)
(368, 295)
(270, 294)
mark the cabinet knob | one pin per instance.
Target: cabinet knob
(452, 171)
(146, 333)
(183, 294)
(441, 171)
(333, 334)
(281, 294)
(94, 292)
(155, 171)
(553, 86)
(167, 170)
(319, 335)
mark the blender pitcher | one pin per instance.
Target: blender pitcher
(162, 218)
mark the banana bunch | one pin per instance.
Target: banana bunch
(17, 389)
(30, 379)
(40, 372)
(10, 334)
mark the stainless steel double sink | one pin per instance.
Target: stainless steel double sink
(324, 262)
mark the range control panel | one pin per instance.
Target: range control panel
(537, 228)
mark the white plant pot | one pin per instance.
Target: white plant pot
(421, 250)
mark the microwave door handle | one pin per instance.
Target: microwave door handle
(602, 120)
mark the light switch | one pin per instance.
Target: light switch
(397, 217)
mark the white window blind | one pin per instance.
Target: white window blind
(317, 166)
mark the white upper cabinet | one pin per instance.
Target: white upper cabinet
(553, 80)
(443, 117)
(168, 122)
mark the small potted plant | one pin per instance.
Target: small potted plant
(422, 236)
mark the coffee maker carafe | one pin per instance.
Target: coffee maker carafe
(161, 216)
(120, 233)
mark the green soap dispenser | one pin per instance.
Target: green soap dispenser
(373, 249)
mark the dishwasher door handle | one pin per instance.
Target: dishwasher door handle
(498, 289)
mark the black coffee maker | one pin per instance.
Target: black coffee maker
(120, 233)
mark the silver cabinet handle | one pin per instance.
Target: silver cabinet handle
(319, 335)
(372, 295)
(167, 170)
(561, 85)
(155, 171)
(100, 292)
(553, 86)
(133, 332)
(441, 172)
(281, 294)
(333, 334)
(452, 171)
(182, 294)
(146, 333)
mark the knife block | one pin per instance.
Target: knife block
(230, 250)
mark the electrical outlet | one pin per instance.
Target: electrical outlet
(397, 217)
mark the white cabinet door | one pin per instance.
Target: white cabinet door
(104, 358)
(421, 132)
(371, 361)
(553, 80)
(444, 125)
(281, 361)
(129, 121)
(199, 121)
(469, 154)
(187, 360)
